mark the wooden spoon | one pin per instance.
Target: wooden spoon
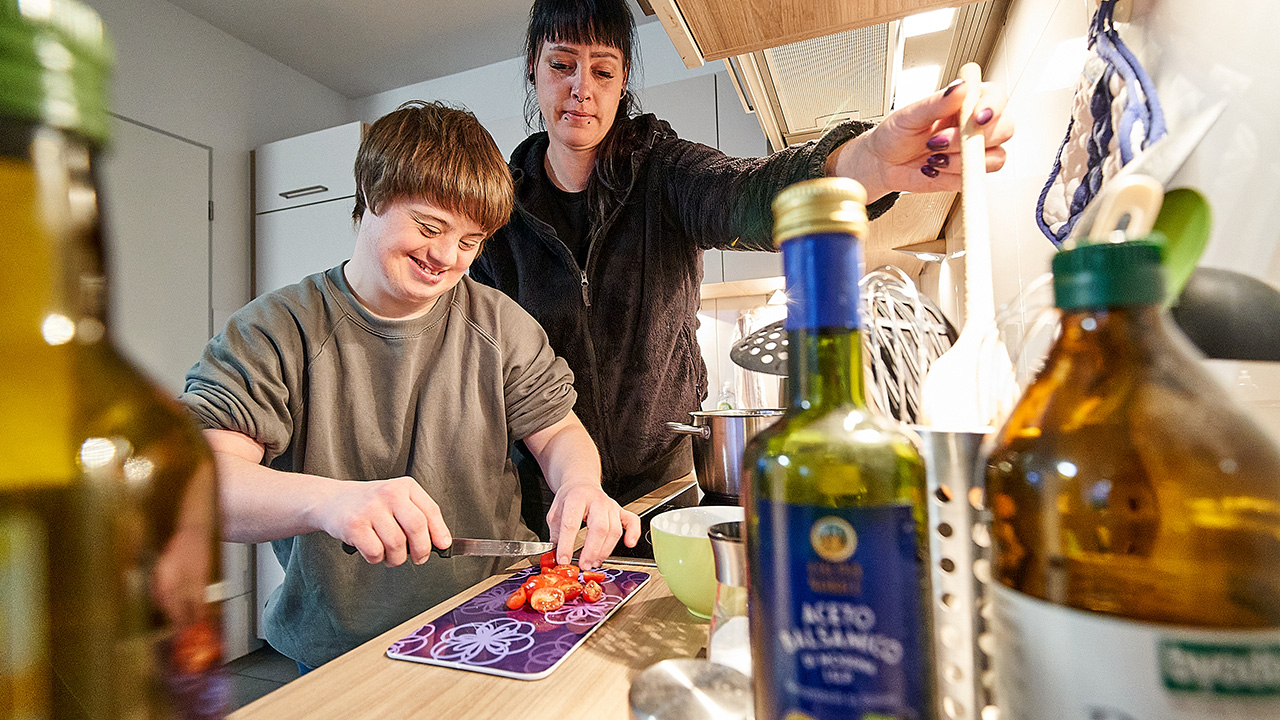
(972, 385)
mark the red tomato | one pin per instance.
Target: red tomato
(572, 591)
(596, 575)
(550, 579)
(592, 592)
(537, 581)
(548, 560)
(197, 647)
(568, 571)
(546, 599)
(516, 600)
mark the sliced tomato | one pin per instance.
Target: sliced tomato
(592, 592)
(568, 571)
(550, 579)
(537, 581)
(548, 560)
(572, 591)
(596, 575)
(546, 599)
(516, 600)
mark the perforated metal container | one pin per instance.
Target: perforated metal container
(959, 552)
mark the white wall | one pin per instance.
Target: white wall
(496, 93)
(1196, 51)
(181, 75)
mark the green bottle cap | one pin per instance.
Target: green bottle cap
(1110, 274)
(55, 58)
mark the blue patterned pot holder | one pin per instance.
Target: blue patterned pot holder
(1115, 109)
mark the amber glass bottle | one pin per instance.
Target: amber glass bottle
(108, 524)
(838, 580)
(1136, 519)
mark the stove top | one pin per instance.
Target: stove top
(642, 553)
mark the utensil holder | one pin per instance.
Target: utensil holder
(959, 556)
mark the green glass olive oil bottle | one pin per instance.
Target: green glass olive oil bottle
(838, 571)
(109, 542)
(1135, 519)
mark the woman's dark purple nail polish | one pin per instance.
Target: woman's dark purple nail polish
(939, 160)
(952, 87)
(929, 171)
(937, 142)
(984, 116)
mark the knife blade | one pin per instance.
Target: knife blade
(482, 546)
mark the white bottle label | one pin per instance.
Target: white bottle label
(1059, 663)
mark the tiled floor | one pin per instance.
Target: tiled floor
(257, 674)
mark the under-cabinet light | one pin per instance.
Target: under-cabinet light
(915, 83)
(928, 22)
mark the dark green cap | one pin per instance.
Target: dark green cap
(54, 61)
(1110, 274)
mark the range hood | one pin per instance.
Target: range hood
(799, 89)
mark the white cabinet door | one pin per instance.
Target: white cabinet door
(292, 244)
(306, 169)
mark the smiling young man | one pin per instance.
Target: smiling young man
(375, 403)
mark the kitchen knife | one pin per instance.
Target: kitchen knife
(473, 546)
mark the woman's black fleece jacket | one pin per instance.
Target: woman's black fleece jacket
(626, 323)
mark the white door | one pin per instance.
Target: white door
(156, 212)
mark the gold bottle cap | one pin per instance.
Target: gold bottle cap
(829, 204)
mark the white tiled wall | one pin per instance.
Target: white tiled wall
(1040, 37)
(717, 323)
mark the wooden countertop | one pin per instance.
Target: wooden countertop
(592, 683)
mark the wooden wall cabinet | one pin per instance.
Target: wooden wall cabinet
(705, 30)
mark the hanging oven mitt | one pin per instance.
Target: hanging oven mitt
(1115, 112)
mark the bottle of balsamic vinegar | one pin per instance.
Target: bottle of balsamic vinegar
(838, 570)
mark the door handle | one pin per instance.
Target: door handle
(300, 192)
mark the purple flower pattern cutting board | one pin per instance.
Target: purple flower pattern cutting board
(483, 635)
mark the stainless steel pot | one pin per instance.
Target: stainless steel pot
(719, 437)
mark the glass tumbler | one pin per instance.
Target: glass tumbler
(727, 642)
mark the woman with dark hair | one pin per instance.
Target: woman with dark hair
(613, 212)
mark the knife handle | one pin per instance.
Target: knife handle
(447, 552)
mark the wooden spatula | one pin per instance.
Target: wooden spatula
(972, 385)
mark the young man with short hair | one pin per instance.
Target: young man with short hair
(375, 403)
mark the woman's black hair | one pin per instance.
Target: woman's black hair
(588, 22)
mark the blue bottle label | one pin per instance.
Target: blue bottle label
(841, 594)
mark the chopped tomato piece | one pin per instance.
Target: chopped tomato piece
(550, 579)
(592, 592)
(546, 599)
(567, 571)
(548, 560)
(537, 581)
(572, 591)
(597, 575)
(516, 600)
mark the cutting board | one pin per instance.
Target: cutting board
(483, 635)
